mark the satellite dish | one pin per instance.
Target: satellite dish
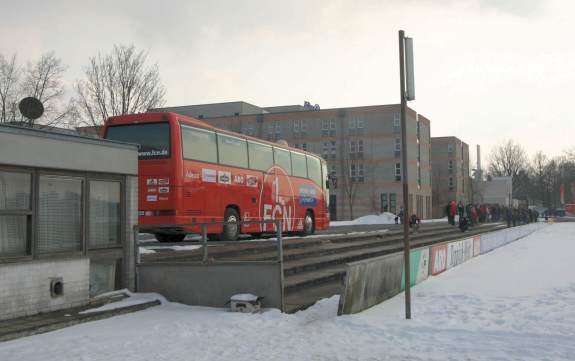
(31, 108)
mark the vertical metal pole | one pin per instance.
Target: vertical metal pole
(136, 236)
(204, 243)
(280, 241)
(404, 166)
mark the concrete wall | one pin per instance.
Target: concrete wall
(42, 149)
(370, 282)
(25, 287)
(213, 284)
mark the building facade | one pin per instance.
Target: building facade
(66, 219)
(362, 147)
(450, 173)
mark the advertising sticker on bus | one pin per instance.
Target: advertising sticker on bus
(278, 199)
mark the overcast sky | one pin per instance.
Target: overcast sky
(486, 70)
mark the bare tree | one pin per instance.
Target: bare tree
(118, 83)
(43, 80)
(9, 78)
(509, 159)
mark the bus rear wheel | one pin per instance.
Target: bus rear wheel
(231, 229)
(164, 238)
(308, 224)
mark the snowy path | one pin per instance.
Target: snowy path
(515, 303)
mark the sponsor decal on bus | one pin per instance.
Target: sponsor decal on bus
(239, 179)
(224, 177)
(192, 174)
(209, 175)
(152, 190)
(163, 181)
(162, 198)
(151, 181)
(151, 198)
(279, 204)
(164, 190)
(252, 181)
(307, 196)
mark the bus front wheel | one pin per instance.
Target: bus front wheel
(231, 229)
(308, 224)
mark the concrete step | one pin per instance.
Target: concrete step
(298, 301)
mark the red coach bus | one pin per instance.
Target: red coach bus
(191, 172)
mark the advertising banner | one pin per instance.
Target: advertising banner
(438, 262)
(459, 252)
(476, 246)
(418, 267)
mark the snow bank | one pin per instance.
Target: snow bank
(383, 218)
(514, 303)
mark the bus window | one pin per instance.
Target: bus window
(314, 170)
(298, 164)
(261, 156)
(282, 158)
(233, 151)
(153, 139)
(199, 144)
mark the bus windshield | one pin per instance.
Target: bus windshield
(153, 139)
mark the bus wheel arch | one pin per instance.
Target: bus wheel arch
(231, 232)
(308, 223)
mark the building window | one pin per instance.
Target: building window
(299, 128)
(355, 126)
(397, 149)
(274, 130)
(247, 129)
(418, 174)
(450, 166)
(384, 205)
(451, 184)
(15, 189)
(104, 213)
(356, 149)
(328, 128)
(329, 150)
(450, 148)
(60, 214)
(393, 203)
(398, 171)
(396, 123)
(356, 172)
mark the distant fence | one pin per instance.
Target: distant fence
(370, 282)
(210, 282)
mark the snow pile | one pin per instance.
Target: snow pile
(514, 303)
(383, 218)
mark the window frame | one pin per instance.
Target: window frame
(218, 135)
(28, 213)
(112, 250)
(203, 130)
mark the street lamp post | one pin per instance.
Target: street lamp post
(406, 79)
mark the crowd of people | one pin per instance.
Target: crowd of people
(473, 214)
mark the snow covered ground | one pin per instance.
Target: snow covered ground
(514, 303)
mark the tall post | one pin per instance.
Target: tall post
(406, 214)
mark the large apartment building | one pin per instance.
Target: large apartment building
(450, 176)
(362, 147)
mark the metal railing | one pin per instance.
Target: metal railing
(204, 240)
